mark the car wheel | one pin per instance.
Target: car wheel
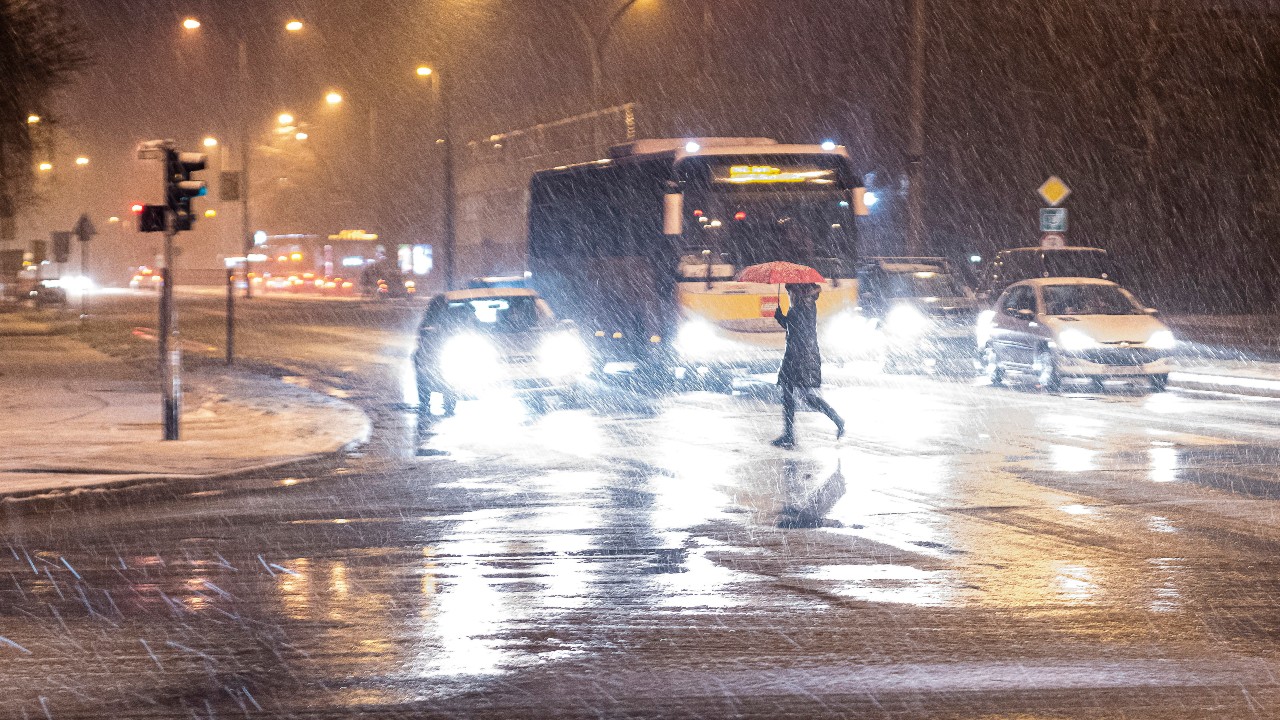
(1047, 376)
(1159, 382)
(992, 368)
(424, 395)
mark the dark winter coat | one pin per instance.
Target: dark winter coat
(802, 361)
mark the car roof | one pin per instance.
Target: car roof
(1041, 282)
(480, 293)
(1067, 248)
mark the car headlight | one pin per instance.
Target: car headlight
(1162, 340)
(906, 320)
(698, 339)
(847, 332)
(563, 355)
(1073, 340)
(468, 361)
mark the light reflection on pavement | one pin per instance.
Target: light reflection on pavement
(998, 541)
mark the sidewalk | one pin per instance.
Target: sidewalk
(73, 420)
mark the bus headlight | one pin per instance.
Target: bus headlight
(1162, 340)
(469, 361)
(564, 355)
(698, 340)
(906, 321)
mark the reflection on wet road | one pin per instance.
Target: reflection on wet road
(965, 551)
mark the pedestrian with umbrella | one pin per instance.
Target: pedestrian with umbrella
(801, 373)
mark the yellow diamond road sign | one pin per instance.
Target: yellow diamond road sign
(1054, 190)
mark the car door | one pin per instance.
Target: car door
(429, 335)
(1017, 317)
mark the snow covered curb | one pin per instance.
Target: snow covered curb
(234, 424)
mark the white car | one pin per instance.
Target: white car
(1051, 328)
(480, 341)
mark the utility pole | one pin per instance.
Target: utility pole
(242, 58)
(450, 189)
(915, 160)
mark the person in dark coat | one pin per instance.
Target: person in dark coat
(801, 371)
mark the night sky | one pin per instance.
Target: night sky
(1161, 116)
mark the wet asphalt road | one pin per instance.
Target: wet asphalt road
(965, 552)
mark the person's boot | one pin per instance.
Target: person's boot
(839, 428)
(784, 441)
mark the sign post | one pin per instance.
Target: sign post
(1053, 219)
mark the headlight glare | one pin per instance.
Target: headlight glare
(1162, 340)
(469, 361)
(1073, 340)
(906, 320)
(563, 355)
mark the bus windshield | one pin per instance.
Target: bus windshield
(741, 211)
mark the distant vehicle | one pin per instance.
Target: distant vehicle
(1052, 328)
(641, 248)
(499, 281)
(1026, 263)
(923, 309)
(48, 292)
(383, 280)
(483, 340)
(145, 279)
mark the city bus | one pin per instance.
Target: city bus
(641, 249)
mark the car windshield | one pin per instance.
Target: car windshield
(923, 284)
(1088, 300)
(497, 314)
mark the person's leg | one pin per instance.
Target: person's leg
(817, 402)
(788, 436)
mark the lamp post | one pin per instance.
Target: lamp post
(915, 160)
(595, 42)
(450, 191)
(292, 26)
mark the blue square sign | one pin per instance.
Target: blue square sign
(1053, 220)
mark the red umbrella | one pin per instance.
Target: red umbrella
(779, 273)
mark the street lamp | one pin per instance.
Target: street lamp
(82, 161)
(285, 119)
(301, 136)
(45, 166)
(450, 192)
(33, 119)
(210, 142)
(291, 26)
(595, 42)
(333, 98)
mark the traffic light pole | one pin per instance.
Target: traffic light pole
(170, 350)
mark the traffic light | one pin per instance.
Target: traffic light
(180, 188)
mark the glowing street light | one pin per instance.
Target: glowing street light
(423, 71)
(293, 26)
(301, 136)
(82, 161)
(46, 166)
(285, 119)
(191, 23)
(333, 98)
(33, 119)
(210, 142)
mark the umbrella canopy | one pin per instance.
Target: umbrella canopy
(778, 273)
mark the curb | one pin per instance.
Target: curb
(152, 486)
